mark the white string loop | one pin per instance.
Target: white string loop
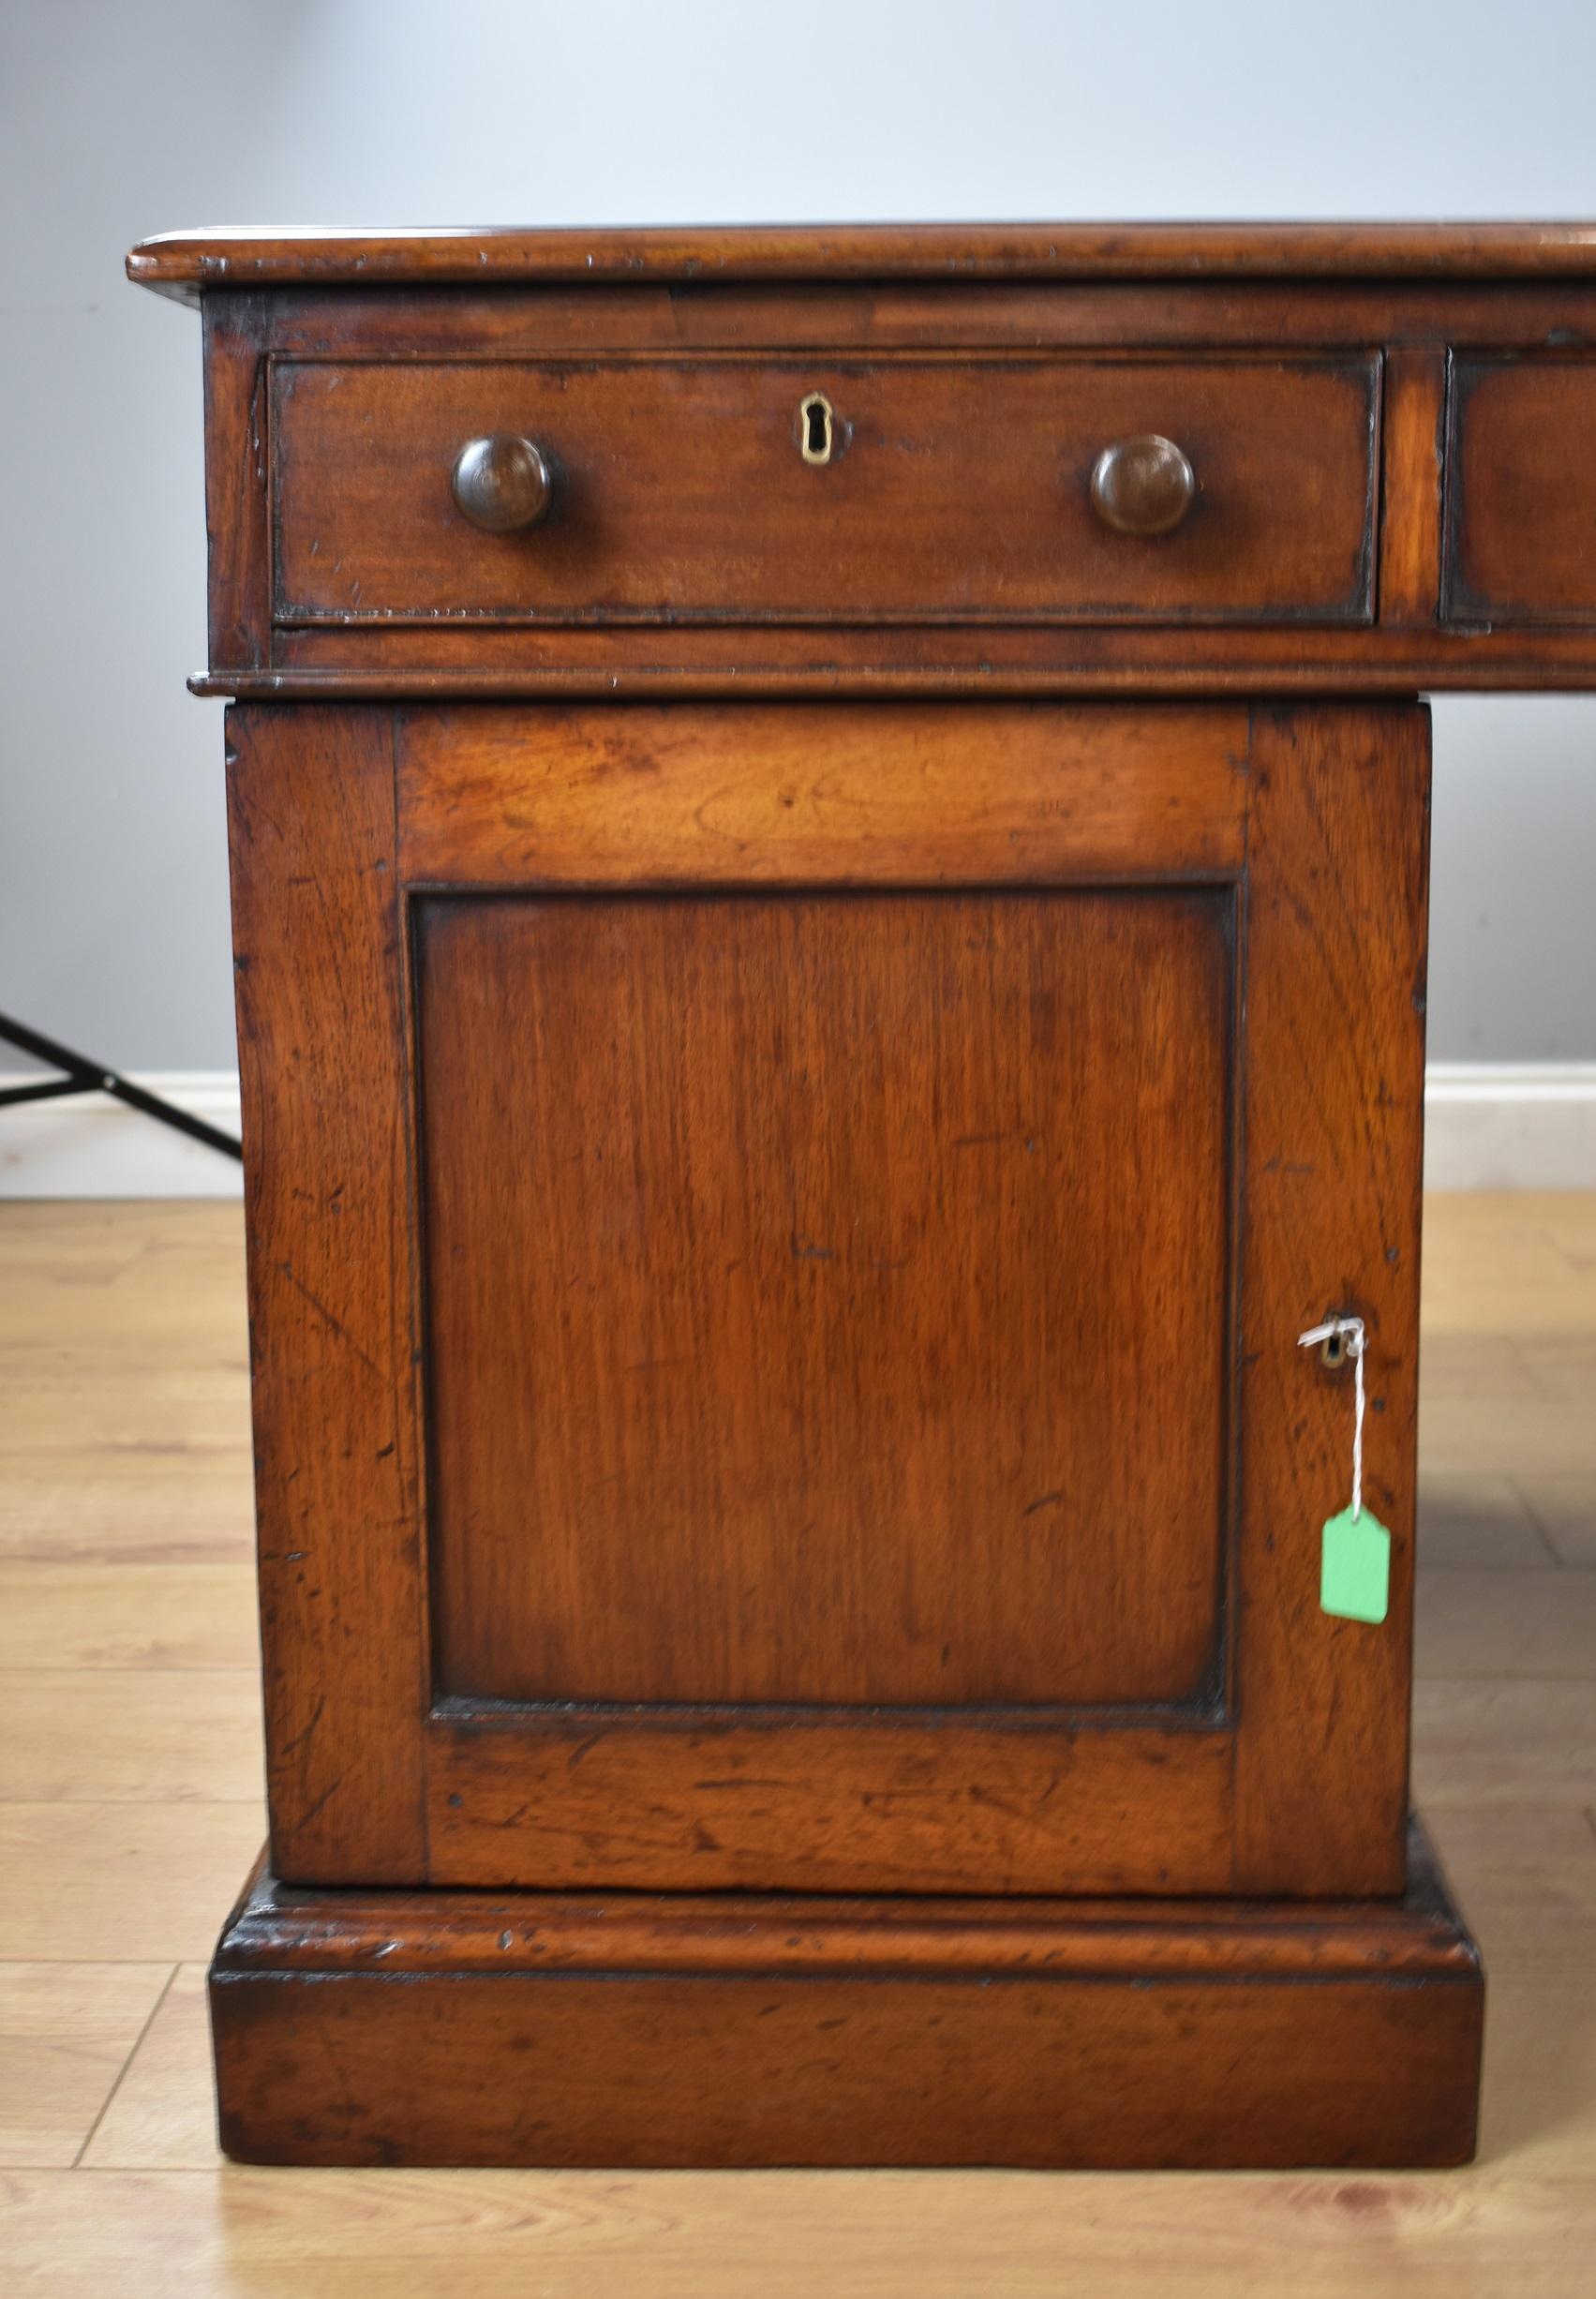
(1350, 1331)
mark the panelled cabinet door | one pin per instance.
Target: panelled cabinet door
(780, 1238)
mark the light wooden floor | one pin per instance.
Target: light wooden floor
(129, 1808)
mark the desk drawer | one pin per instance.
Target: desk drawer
(1521, 547)
(768, 490)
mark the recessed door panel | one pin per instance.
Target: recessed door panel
(828, 1295)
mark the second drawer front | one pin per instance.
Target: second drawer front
(1521, 546)
(956, 491)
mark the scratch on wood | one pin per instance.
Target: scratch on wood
(286, 1269)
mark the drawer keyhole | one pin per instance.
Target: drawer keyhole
(815, 429)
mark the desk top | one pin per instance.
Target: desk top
(185, 263)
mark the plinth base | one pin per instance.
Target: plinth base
(445, 2027)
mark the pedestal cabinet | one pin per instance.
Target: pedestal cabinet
(829, 837)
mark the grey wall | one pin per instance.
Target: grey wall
(119, 119)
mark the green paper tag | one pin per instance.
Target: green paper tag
(1354, 1579)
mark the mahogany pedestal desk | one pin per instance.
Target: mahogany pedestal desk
(829, 850)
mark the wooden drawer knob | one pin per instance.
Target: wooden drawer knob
(1143, 485)
(502, 483)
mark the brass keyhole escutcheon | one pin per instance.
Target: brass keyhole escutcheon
(817, 432)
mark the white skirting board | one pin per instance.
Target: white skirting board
(91, 1146)
(1510, 1126)
(1487, 1125)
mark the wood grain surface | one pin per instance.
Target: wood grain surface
(958, 795)
(669, 527)
(324, 1081)
(1338, 876)
(959, 492)
(802, 1335)
(1523, 498)
(826, 1488)
(185, 262)
(1131, 2035)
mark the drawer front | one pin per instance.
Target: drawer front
(922, 491)
(1521, 544)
